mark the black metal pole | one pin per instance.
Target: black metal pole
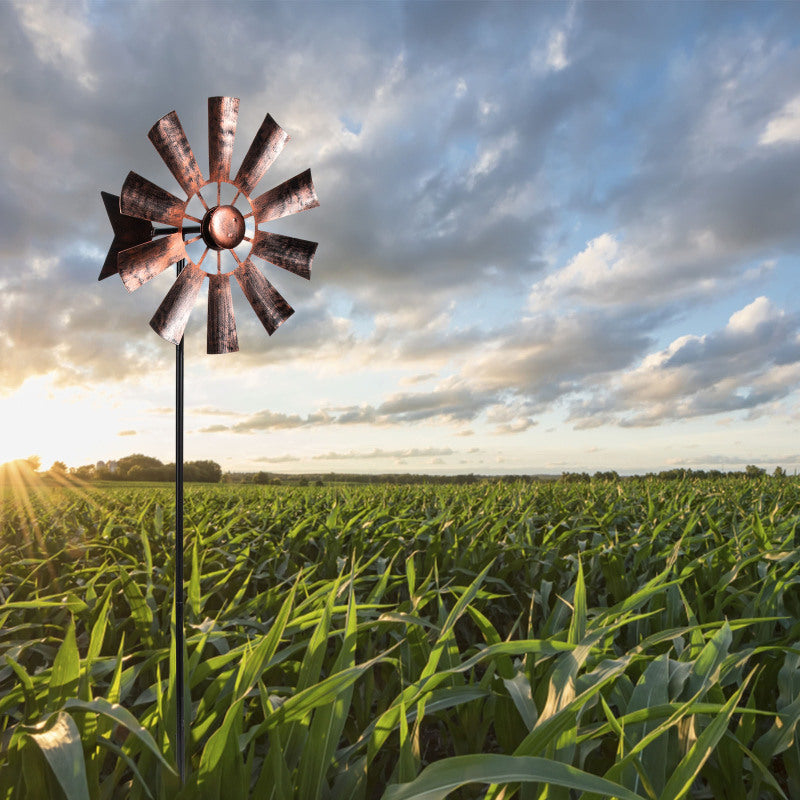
(180, 740)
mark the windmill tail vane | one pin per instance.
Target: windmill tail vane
(141, 251)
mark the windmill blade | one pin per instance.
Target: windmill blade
(266, 146)
(266, 300)
(223, 113)
(128, 232)
(169, 139)
(292, 196)
(221, 330)
(169, 321)
(141, 198)
(139, 264)
(285, 251)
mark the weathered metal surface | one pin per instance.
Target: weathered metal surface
(169, 139)
(138, 257)
(266, 146)
(139, 264)
(221, 331)
(223, 113)
(292, 196)
(128, 232)
(223, 227)
(267, 302)
(293, 254)
(142, 198)
(170, 319)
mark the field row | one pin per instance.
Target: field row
(551, 641)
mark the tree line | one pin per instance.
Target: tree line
(135, 467)
(680, 473)
(138, 467)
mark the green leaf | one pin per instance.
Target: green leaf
(577, 627)
(458, 609)
(440, 778)
(123, 717)
(690, 765)
(208, 774)
(60, 743)
(519, 689)
(329, 720)
(194, 582)
(706, 665)
(651, 690)
(66, 669)
(123, 756)
(253, 665)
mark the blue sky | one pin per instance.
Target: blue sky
(552, 236)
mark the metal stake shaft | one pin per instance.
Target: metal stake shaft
(180, 739)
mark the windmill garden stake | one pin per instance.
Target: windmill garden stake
(140, 251)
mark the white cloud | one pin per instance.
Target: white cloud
(489, 156)
(489, 137)
(414, 452)
(60, 34)
(556, 51)
(784, 126)
(746, 366)
(747, 319)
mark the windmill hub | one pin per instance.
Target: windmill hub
(223, 227)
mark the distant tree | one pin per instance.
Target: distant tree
(262, 478)
(575, 477)
(202, 471)
(780, 472)
(125, 464)
(58, 468)
(84, 473)
(103, 473)
(752, 471)
(608, 475)
(136, 473)
(34, 462)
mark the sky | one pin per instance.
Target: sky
(552, 236)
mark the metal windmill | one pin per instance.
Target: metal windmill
(140, 251)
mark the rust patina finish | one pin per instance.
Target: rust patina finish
(223, 228)
(140, 252)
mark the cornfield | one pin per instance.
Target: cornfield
(638, 640)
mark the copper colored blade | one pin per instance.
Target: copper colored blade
(128, 232)
(137, 265)
(221, 332)
(266, 146)
(223, 113)
(295, 195)
(141, 198)
(267, 302)
(169, 321)
(285, 251)
(169, 139)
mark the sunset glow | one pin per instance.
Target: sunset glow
(560, 237)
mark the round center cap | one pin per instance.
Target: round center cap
(223, 227)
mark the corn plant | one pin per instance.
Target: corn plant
(631, 640)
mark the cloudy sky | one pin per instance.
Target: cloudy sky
(552, 236)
